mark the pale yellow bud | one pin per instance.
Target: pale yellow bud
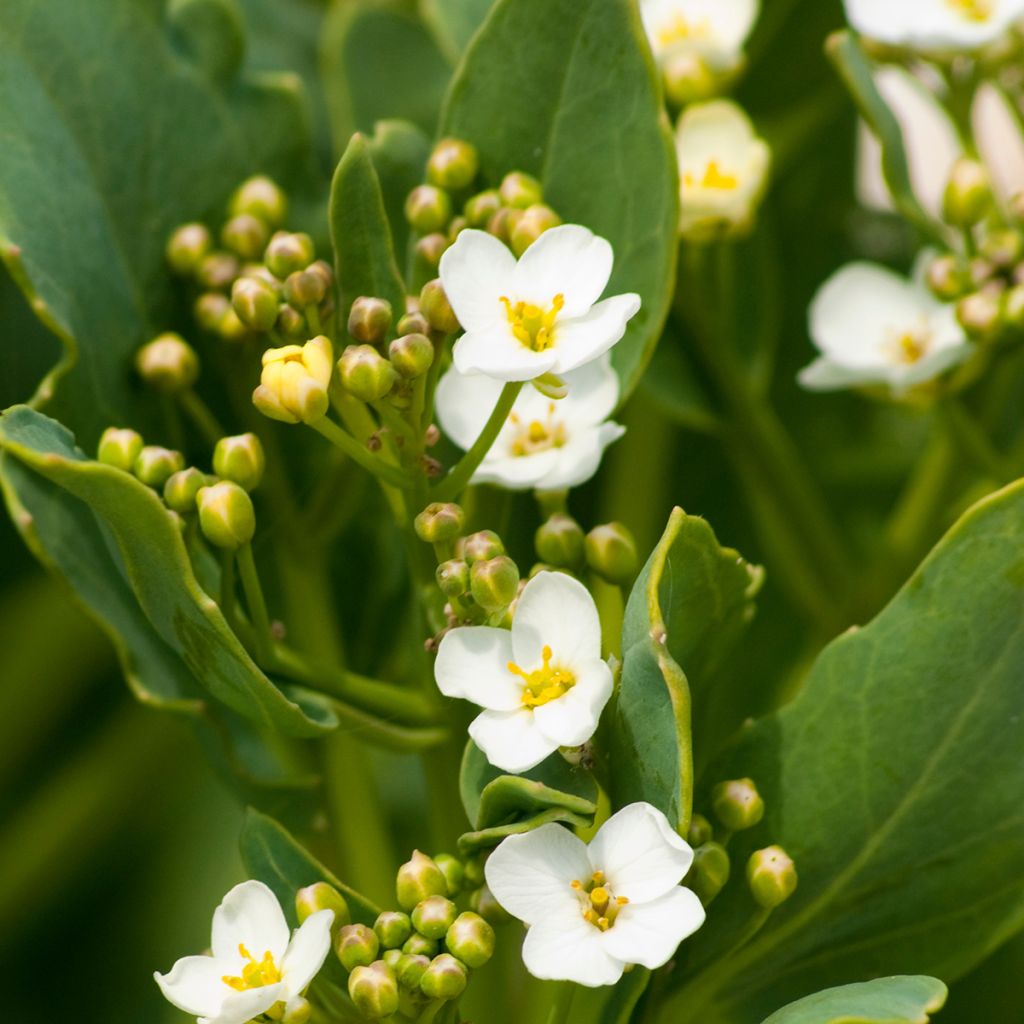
(293, 385)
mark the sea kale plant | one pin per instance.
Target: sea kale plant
(395, 337)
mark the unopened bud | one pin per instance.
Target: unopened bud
(181, 489)
(550, 385)
(453, 164)
(440, 523)
(560, 542)
(451, 867)
(434, 305)
(322, 896)
(453, 579)
(291, 324)
(168, 363)
(246, 236)
(980, 313)
(240, 459)
(187, 246)
(480, 208)
(154, 466)
(457, 226)
(209, 310)
(737, 804)
(356, 946)
(413, 323)
(411, 355)
(287, 252)
(1013, 307)
(471, 939)
(946, 279)
(304, 288)
(445, 978)
(262, 198)
(297, 1011)
(420, 945)
(410, 969)
(494, 582)
(1003, 248)
(226, 515)
(481, 546)
(418, 879)
(217, 270)
(484, 903)
(521, 190)
(231, 329)
(370, 320)
(255, 302)
(393, 929)
(392, 957)
(710, 871)
(430, 248)
(700, 831)
(611, 553)
(433, 916)
(502, 222)
(325, 272)
(119, 447)
(689, 79)
(293, 385)
(428, 209)
(531, 225)
(771, 875)
(365, 373)
(374, 990)
(968, 194)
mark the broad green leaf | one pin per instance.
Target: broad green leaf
(902, 1000)
(894, 781)
(566, 90)
(399, 150)
(487, 838)
(454, 22)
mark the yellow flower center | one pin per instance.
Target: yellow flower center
(533, 326)
(680, 29)
(537, 435)
(973, 10)
(911, 345)
(714, 178)
(543, 684)
(255, 974)
(599, 906)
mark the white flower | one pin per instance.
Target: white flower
(592, 910)
(538, 315)
(935, 26)
(542, 684)
(874, 327)
(723, 170)
(545, 444)
(255, 963)
(714, 30)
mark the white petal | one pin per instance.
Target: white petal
(557, 611)
(241, 1007)
(584, 338)
(518, 472)
(472, 663)
(578, 460)
(531, 875)
(649, 933)
(593, 392)
(570, 261)
(570, 949)
(308, 949)
(825, 375)
(930, 366)
(195, 984)
(640, 853)
(572, 719)
(249, 916)
(464, 403)
(511, 740)
(497, 353)
(476, 271)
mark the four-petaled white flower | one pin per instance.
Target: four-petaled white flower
(592, 910)
(714, 30)
(545, 444)
(723, 170)
(542, 684)
(255, 963)
(874, 327)
(538, 315)
(935, 26)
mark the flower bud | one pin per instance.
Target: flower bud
(710, 871)
(291, 324)
(304, 288)
(410, 969)
(187, 246)
(262, 198)
(217, 270)
(737, 804)
(474, 871)
(430, 248)
(246, 236)
(771, 875)
(471, 939)
(154, 466)
(689, 79)
(287, 252)
(255, 302)
(433, 916)
(440, 523)
(445, 978)
(418, 879)
(1013, 307)
(434, 305)
(453, 579)
(293, 385)
(453, 871)
(393, 929)
(356, 946)
(119, 447)
(412, 323)
(483, 903)
(209, 310)
(520, 190)
(560, 542)
(240, 459)
(428, 209)
(946, 279)
(534, 222)
(370, 320)
(494, 582)
(502, 222)
(298, 1011)
(226, 515)
(1003, 248)
(980, 313)
(453, 164)
(374, 990)
(457, 226)
(700, 831)
(481, 546)
(392, 957)
(325, 272)
(322, 896)
(411, 355)
(968, 194)
(365, 373)
(611, 553)
(550, 385)
(168, 363)
(482, 207)
(231, 329)
(420, 945)
(181, 489)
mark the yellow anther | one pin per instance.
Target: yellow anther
(714, 177)
(544, 684)
(254, 974)
(533, 327)
(909, 346)
(973, 10)
(603, 923)
(680, 29)
(598, 878)
(576, 884)
(621, 900)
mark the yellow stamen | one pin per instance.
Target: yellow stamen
(544, 684)
(909, 346)
(973, 10)
(254, 974)
(714, 178)
(533, 326)
(537, 435)
(599, 907)
(680, 29)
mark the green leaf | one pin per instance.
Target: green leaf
(902, 1000)
(454, 22)
(894, 781)
(399, 151)
(671, 383)
(487, 838)
(566, 90)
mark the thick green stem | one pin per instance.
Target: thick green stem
(360, 453)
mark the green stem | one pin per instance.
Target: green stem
(359, 453)
(313, 319)
(227, 587)
(561, 1003)
(202, 419)
(256, 603)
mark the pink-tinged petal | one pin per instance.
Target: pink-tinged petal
(307, 951)
(196, 985)
(511, 740)
(649, 933)
(557, 611)
(249, 916)
(472, 664)
(570, 261)
(586, 337)
(570, 949)
(572, 719)
(476, 271)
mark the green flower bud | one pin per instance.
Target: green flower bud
(560, 542)
(231, 329)
(611, 553)
(393, 928)
(291, 324)
(494, 582)
(392, 958)
(1003, 248)
(365, 373)
(418, 879)
(356, 946)
(457, 226)
(420, 945)
(154, 466)
(217, 270)
(246, 236)
(502, 222)
(413, 323)
(445, 978)
(482, 207)
(322, 896)
(325, 272)
(474, 871)
(451, 867)
(187, 246)
(226, 515)
(700, 831)
(374, 990)
(453, 579)
(411, 355)
(737, 804)
(482, 546)
(771, 875)
(255, 302)
(471, 939)
(260, 197)
(968, 194)
(240, 459)
(946, 278)
(168, 363)
(433, 916)
(287, 252)
(209, 310)
(428, 209)
(710, 871)
(410, 969)
(298, 1011)
(370, 320)
(440, 523)
(483, 903)
(981, 271)
(181, 489)
(453, 164)
(305, 288)
(531, 225)
(689, 79)
(1013, 307)
(521, 190)
(119, 447)
(430, 248)
(434, 305)
(980, 314)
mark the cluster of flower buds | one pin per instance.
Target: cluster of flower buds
(608, 550)
(515, 211)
